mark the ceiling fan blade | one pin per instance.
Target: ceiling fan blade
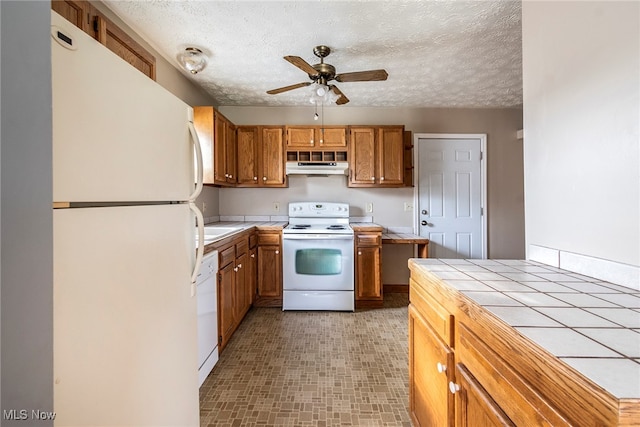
(286, 88)
(342, 99)
(362, 76)
(302, 64)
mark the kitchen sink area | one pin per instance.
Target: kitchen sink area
(213, 233)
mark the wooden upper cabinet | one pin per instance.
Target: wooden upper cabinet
(391, 155)
(316, 137)
(224, 151)
(247, 140)
(376, 156)
(260, 156)
(362, 149)
(271, 164)
(120, 43)
(86, 17)
(77, 12)
(203, 122)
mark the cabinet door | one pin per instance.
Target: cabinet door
(474, 406)
(241, 291)
(331, 137)
(247, 155)
(203, 120)
(391, 156)
(362, 156)
(272, 157)
(231, 161)
(300, 137)
(430, 363)
(220, 149)
(269, 271)
(226, 302)
(252, 282)
(74, 11)
(368, 283)
(120, 43)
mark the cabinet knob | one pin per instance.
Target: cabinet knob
(441, 368)
(253, 255)
(453, 387)
(311, 142)
(239, 265)
(264, 178)
(230, 176)
(321, 141)
(373, 178)
(255, 178)
(226, 175)
(277, 252)
(235, 269)
(382, 178)
(359, 252)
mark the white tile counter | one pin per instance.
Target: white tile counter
(591, 325)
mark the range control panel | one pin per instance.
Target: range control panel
(319, 210)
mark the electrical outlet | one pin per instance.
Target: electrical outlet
(369, 207)
(204, 206)
(408, 206)
(276, 206)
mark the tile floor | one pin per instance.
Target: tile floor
(313, 369)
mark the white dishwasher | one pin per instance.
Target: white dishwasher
(207, 295)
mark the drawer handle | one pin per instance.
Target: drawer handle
(441, 368)
(453, 387)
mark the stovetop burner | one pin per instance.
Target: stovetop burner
(300, 226)
(336, 227)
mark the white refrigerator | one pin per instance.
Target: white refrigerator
(125, 260)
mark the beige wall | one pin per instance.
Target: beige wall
(505, 173)
(581, 63)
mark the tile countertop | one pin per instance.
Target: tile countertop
(591, 325)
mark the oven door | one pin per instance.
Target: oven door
(318, 262)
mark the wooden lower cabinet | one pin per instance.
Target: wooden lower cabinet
(430, 403)
(269, 269)
(495, 376)
(474, 406)
(234, 295)
(368, 276)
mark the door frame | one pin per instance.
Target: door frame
(483, 177)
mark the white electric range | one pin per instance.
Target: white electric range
(318, 263)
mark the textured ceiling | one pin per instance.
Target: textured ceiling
(437, 53)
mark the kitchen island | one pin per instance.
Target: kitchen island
(509, 342)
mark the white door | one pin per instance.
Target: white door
(450, 196)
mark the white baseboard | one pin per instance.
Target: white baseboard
(603, 269)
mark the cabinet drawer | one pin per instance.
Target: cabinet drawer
(242, 247)
(436, 315)
(269, 238)
(227, 256)
(253, 241)
(522, 403)
(371, 239)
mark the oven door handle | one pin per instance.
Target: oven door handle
(317, 236)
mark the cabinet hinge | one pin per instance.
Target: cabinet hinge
(95, 24)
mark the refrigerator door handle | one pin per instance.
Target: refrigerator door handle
(200, 248)
(199, 165)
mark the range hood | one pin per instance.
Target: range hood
(317, 168)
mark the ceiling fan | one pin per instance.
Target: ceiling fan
(323, 73)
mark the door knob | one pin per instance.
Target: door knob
(423, 222)
(424, 212)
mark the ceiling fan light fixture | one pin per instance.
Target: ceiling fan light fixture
(192, 60)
